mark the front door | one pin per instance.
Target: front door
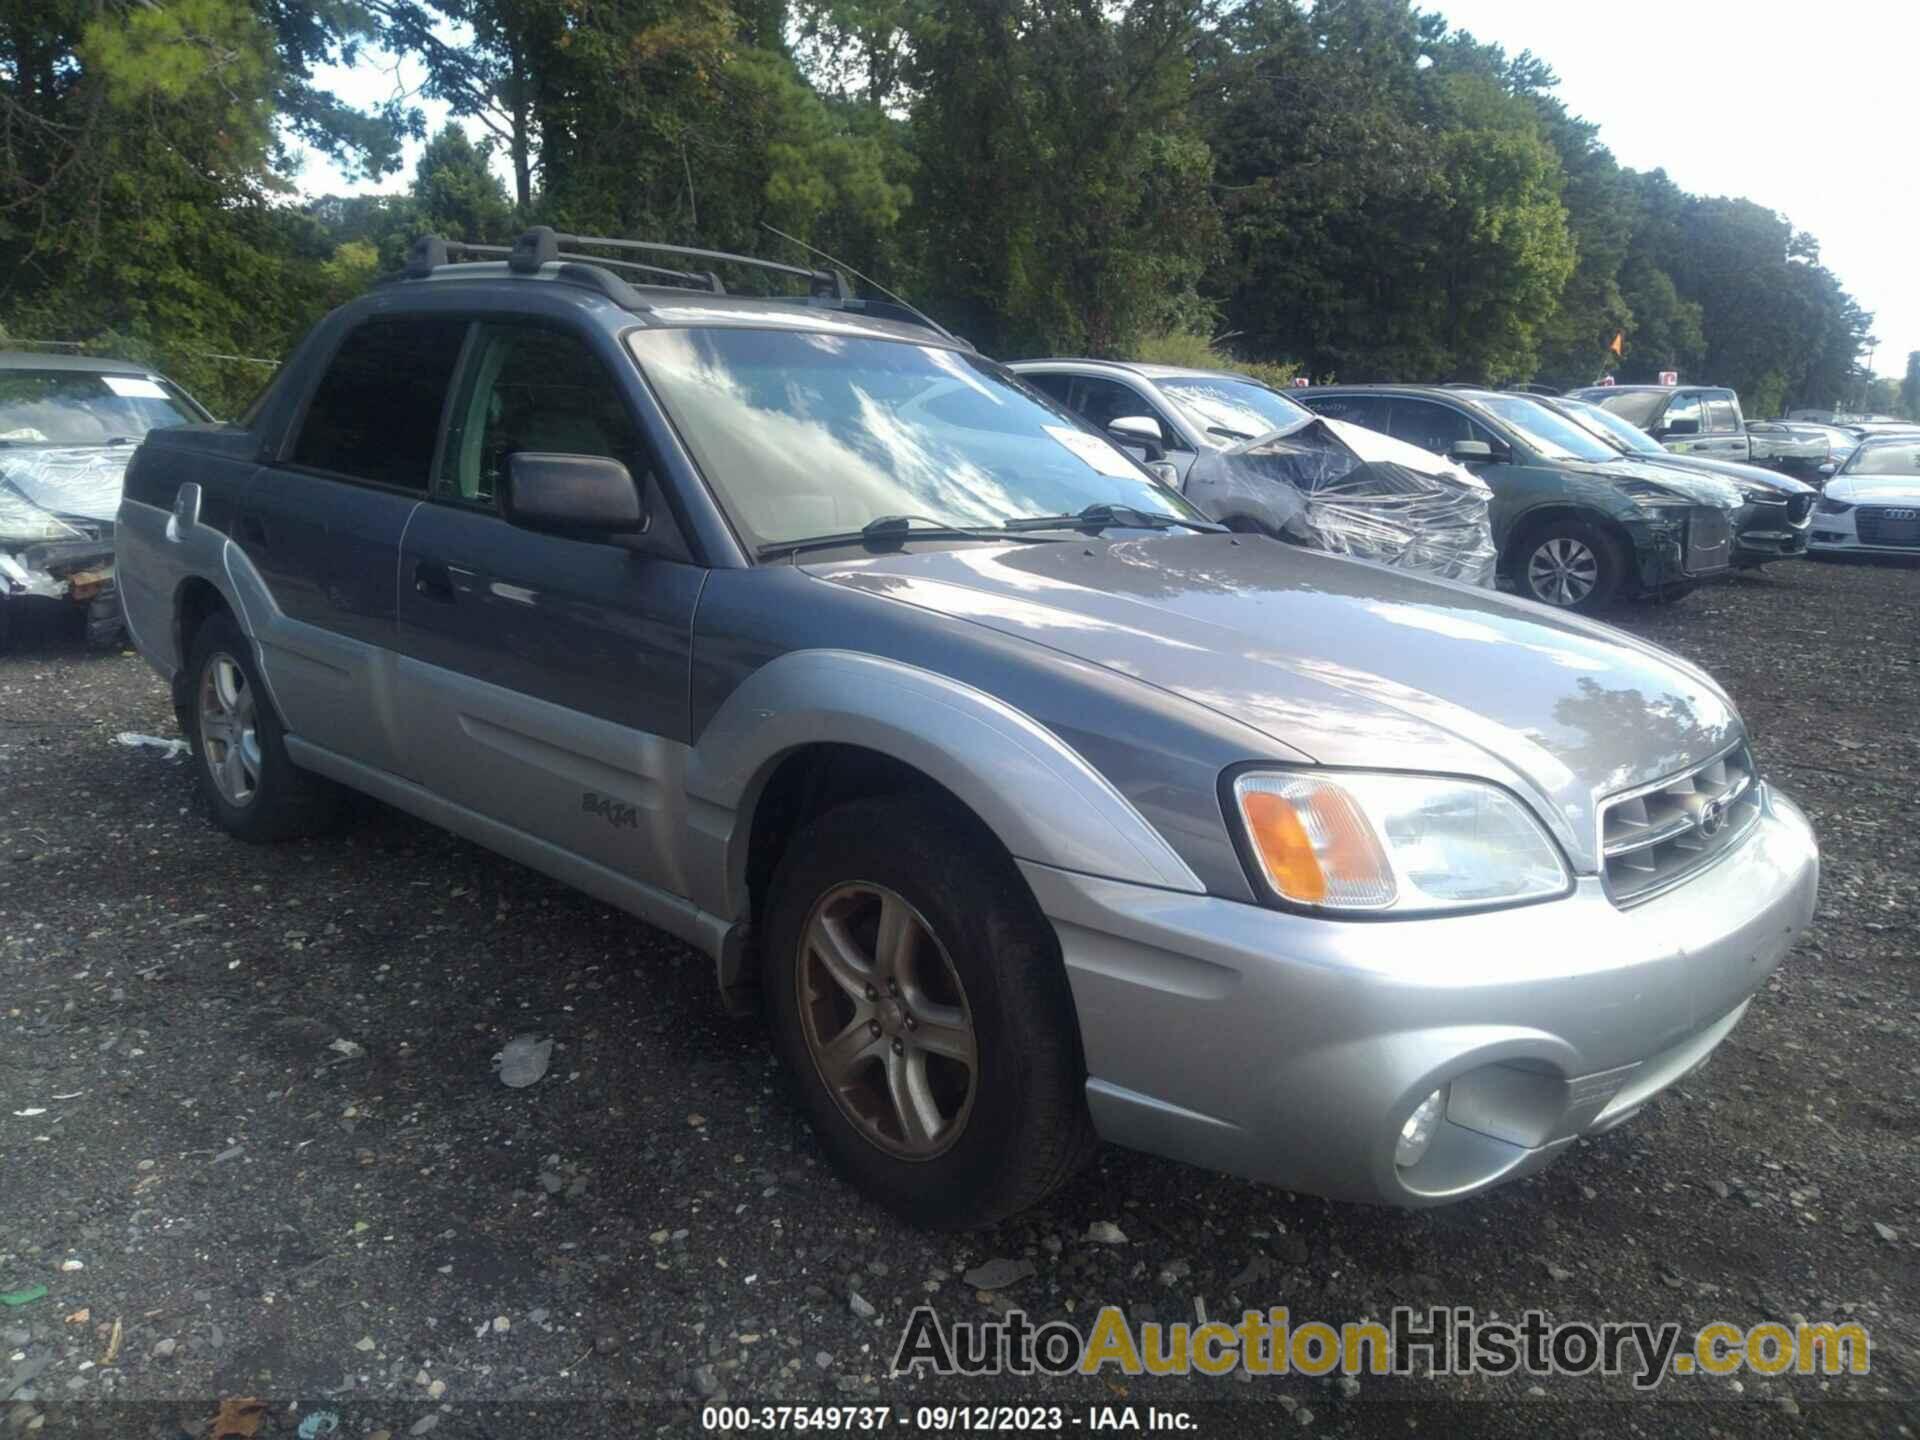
(545, 676)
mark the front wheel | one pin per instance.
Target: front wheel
(919, 1002)
(1571, 565)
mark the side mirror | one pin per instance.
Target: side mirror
(1141, 432)
(1470, 452)
(1165, 472)
(1678, 427)
(581, 495)
(1826, 470)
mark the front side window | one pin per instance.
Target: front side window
(1437, 428)
(376, 413)
(811, 434)
(1105, 401)
(1230, 409)
(80, 407)
(530, 388)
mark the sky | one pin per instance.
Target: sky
(1808, 111)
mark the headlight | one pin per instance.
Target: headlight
(1761, 495)
(1394, 843)
(24, 523)
(1648, 493)
(1832, 507)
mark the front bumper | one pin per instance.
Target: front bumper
(1840, 534)
(1769, 532)
(1291, 1049)
(1676, 545)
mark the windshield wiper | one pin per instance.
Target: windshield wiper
(1105, 516)
(1224, 433)
(891, 529)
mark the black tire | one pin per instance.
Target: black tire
(1570, 542)
(1023, 1129)
(285, 802)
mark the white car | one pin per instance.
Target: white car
(1872, 504)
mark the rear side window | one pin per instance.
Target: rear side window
(1367, 410)
(376, 412)
(1053, 385)
(1723, 412)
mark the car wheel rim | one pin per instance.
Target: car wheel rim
(229, 737)
(886, 1021)
(1563, 571)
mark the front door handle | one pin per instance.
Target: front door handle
(433, 580)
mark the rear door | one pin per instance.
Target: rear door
(321, 522)
(545, 677)
(1725, 430)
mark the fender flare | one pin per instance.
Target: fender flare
(1039, 796)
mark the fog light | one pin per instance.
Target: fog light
(1417, 1133)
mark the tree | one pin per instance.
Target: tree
(1910, 387)
(456, 191)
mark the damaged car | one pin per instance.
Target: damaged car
(1260, 463)
(1579, 525)
(68, 425)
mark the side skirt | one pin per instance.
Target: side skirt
(680, 918)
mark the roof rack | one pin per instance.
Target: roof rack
(542, 245)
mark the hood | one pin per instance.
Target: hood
(1700, 486)
(1875, 489)
(79, 480)
(1734, 471)
(1343, 663)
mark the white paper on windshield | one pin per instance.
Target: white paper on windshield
(134, 387)
(1094, 451)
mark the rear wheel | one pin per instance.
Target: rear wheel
(1571, 564)
(917, 997)
(254, 790)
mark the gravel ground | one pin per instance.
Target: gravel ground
(265, 1153)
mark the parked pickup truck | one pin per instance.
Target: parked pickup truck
(1031, 806)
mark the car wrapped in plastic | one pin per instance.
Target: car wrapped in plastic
(1351, 491)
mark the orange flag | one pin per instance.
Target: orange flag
(1619, 339)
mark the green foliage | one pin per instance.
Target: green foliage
(1346, 187)
(1194, 350)
(1909, 405)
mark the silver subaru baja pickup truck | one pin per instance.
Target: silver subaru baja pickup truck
(1034, 808)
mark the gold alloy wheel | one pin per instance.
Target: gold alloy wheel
(886, 1020)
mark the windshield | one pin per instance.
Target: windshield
(1552, 435)
(808, 435)
(1609, 426)
(80, 407)
(1636, 407)
(1218, 402)
(1884, 458)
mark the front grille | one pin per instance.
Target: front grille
(1709, 540)
(1654, 837)
(1799, 507)
(1889, 525)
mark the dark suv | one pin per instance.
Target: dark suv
(1578, 525)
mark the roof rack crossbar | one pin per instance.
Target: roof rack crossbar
(543, 243)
